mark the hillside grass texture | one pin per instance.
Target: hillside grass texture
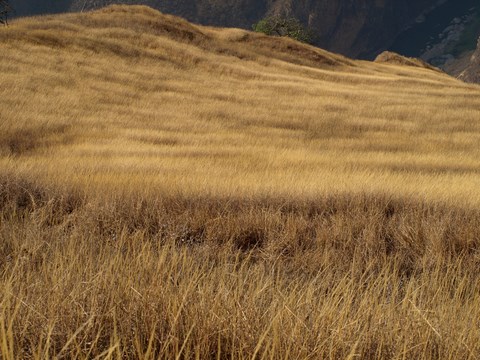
(175, 191)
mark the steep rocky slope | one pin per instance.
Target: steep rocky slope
(472, 72)
(359, 28)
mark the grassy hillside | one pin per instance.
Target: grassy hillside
(176, 191)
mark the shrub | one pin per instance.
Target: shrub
(291, 27)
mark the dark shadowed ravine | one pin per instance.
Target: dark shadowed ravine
(412, 42)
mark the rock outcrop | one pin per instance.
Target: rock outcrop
(472, 72)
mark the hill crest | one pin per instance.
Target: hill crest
(132, 22)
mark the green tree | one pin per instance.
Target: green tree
(291, 27)
(5, 11)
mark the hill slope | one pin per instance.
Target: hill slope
(440, 32)
(360, 28)
(256, 91)
(169, 190)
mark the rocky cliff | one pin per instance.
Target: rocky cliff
(357, 28)
(472, 72)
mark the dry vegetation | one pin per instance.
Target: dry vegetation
(174, 191)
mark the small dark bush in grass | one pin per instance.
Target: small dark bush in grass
(291, 27)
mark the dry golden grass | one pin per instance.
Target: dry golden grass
(174, 191)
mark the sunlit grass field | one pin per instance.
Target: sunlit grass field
(175, 191)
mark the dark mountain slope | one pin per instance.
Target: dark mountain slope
(472, 72)
(35, 7)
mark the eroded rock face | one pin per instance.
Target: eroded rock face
(472, 72)
(356, 28)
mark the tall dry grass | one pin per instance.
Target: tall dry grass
(174, 191)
